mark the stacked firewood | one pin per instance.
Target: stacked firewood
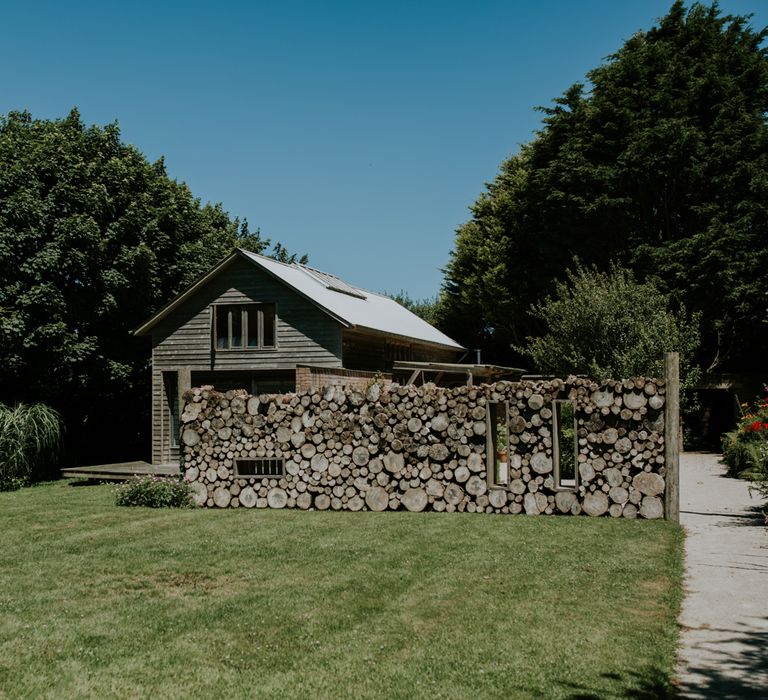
(427, 448)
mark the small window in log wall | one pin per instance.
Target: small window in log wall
(499, 444)
(244, 326)
(565, 444)
(261, 468)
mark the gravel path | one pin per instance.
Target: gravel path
(724, 641)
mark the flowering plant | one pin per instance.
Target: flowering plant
(755, 419)
(745, 450)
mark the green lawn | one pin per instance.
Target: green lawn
(98, 601)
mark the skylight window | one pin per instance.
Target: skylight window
(333, 283)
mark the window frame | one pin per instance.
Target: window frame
(260, 464)
(497, 412)
(246, 308)
(556, 421)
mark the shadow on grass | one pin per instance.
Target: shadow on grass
(651, 684)
(732, 664)
(85, 482)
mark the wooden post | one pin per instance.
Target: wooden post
(671, 439)
(183, 384)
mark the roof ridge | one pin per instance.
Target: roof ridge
(267, 257)
(379, 317)
(303, 267)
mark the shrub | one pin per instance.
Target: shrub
(154, 492)
(745, 450)
(607, 324)
(30, 435)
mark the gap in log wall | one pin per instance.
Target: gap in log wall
(427, 448)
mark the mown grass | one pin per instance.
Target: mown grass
(98, 601)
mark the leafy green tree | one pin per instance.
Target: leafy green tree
(93, 239)
(609, 325)
(659, 163)
(484, 299)
(423, 308)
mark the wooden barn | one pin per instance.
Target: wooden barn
(269, 327)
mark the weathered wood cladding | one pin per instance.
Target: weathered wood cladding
(377, 352)
(304, 333)
(183, 340)
(163, 452)
(157, 412)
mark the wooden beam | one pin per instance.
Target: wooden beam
(184, 384)
(671, 437)
(456, 368)
(120, 472)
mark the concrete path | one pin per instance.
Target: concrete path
(724, 641)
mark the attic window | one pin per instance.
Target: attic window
(333, 283)
(244, 326)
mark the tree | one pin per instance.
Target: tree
(609, 325)
(659, 163)
(423, 308)
(484, 299)
(93, 239)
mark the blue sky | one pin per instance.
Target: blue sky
(356, 132)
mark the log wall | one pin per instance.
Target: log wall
(429, 448)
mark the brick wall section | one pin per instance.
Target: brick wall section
(429, 448)
(317, 378)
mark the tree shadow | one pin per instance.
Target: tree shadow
(76, 483)
(650, 684)
(734, 664)
(722, 672)
(753, 516)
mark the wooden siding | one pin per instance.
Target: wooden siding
(374, 352)
(157, 412)
(304, 335)
(162, 424)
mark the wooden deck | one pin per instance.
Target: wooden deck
(120, 472)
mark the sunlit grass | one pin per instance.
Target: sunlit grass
(98, 601)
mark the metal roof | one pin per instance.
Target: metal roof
(357, 307)
(351, 306)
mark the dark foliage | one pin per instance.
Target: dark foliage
(93, 240)
(659, 163)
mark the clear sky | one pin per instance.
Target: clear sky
(355, 132)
